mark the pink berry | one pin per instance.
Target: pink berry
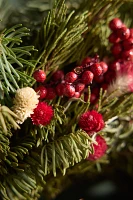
(127, 55)
(58, 75)
(96, 69)
(60, 89)
(41, 91)
(70, 77)
(115, 24)
(51, 94)
(123, 33)
(104, 66)
(79, 87)
(69, 90)
(87, 77)
(39, 76)
(128, 44)
(116, 49)
(77, 95)
(113, 38)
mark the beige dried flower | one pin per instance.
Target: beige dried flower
(25, 101)
(120, 86)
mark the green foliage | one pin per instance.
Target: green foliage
(13, 62)
(65, 152)
(59, 36)
(32, 155)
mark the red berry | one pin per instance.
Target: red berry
(99, 148)
(70, 77)
(96, 69)
(115, 24)
(131, 32)
(127, 55)
(110, 76)
(60, 89)
(39, 76)
(86, 61)
(77, 95)
(99, 79)
(123, 33)
(51, 94)
(113, 38)
(95, 91)
(58, 75)
(79, 87)
(93, 98)
(128, 44)
(42, 91)
(86, 97)
(87, 77)
(104, 66)
(116, 49)
(115, 65)
(69, 90)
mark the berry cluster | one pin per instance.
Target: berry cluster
(73, 83)
(92, 71)
(121, 39)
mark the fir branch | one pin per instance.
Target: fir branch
(51, 131)
(111, 106)
(96, 37)
(60, 35)
(12, 61)
(65, 152)
(19, 186)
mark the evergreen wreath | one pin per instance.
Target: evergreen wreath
(66, 92)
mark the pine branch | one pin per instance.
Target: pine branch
(65, 152)
(96, 37)
(12, 60)
(60, 35)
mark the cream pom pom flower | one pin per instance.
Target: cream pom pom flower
(25, 101)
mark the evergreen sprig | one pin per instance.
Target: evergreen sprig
(59, 36)
(29, 156)
(65, 152)
(13, 63)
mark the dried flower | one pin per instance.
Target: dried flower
(122, 84)
(91, 121)
(43, 114)
(25, 101)
(99, 148)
